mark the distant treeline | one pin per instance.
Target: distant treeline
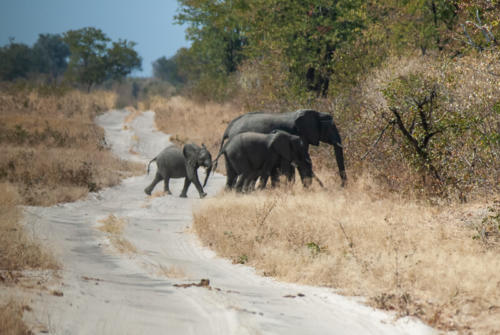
(85, 56)
(318, 46)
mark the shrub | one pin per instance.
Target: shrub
(426, 125)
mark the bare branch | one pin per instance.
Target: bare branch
(470, 41)
(378, 139)
(480, 26)
(413, 141)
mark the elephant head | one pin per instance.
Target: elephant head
(293, 149)
(198, 156)
(315, 127)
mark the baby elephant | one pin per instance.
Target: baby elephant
(173, 162)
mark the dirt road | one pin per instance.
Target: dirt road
(148, 288)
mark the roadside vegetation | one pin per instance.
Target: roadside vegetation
(51, 149)
(52, 152)
(413, 88)
(191, 121)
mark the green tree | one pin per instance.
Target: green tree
(216, 32)
(306, 33)
(92, 61)
(310, 33)
(480, 23)
(16, 60)
(87, 64)
(50, 55)
(424, 24)
(122, 59)
(167, 69)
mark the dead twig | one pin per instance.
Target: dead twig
(377, 140)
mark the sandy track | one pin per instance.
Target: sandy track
(108, 292)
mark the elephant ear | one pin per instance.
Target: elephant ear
(280, 143)
(308, 125)
(190, 152)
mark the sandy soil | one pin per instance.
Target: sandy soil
(157, 286)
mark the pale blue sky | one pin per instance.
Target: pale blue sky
(149, 23)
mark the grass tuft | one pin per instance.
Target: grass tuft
(11, 319)
(114, 226)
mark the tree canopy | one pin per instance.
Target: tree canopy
(50, 55)
(323, 43)
(85, 56)
(92, 60)
(15, 60)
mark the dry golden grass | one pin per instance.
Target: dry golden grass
(18, 251)
(51, 148)
(114, 226)
(188, 121)
(11, 319)
(419, 260)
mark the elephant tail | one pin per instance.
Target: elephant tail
(221, 151)
(151, 161)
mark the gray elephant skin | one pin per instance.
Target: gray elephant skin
(312, 126)
(173, 162)
(252, 155)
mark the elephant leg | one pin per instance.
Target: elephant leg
(263, 182)
(290, 175)
(192, 175)
(244, 180)
(249, 182)
(231, 175)
(166, 189)
(239, 183)
(187, 182)
(275, 177)
(150, 188)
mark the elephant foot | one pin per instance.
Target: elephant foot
(183, 196)
(148, 192)
(168, 192)
(203, 195)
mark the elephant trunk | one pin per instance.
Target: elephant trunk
(339, 156)
(207, 171)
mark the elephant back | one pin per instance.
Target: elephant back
(263, 123)
(171, 161)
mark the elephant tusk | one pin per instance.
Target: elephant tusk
(339, 145)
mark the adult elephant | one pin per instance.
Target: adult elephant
(252, 155)
(173, 162)
(312, 126)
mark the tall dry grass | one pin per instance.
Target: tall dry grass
(11, 319)
(50, 147)
(416, 259)
(18, 250)
(114, 226)
(190, 121)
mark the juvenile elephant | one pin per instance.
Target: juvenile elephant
(173, 162)
(252, 155)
